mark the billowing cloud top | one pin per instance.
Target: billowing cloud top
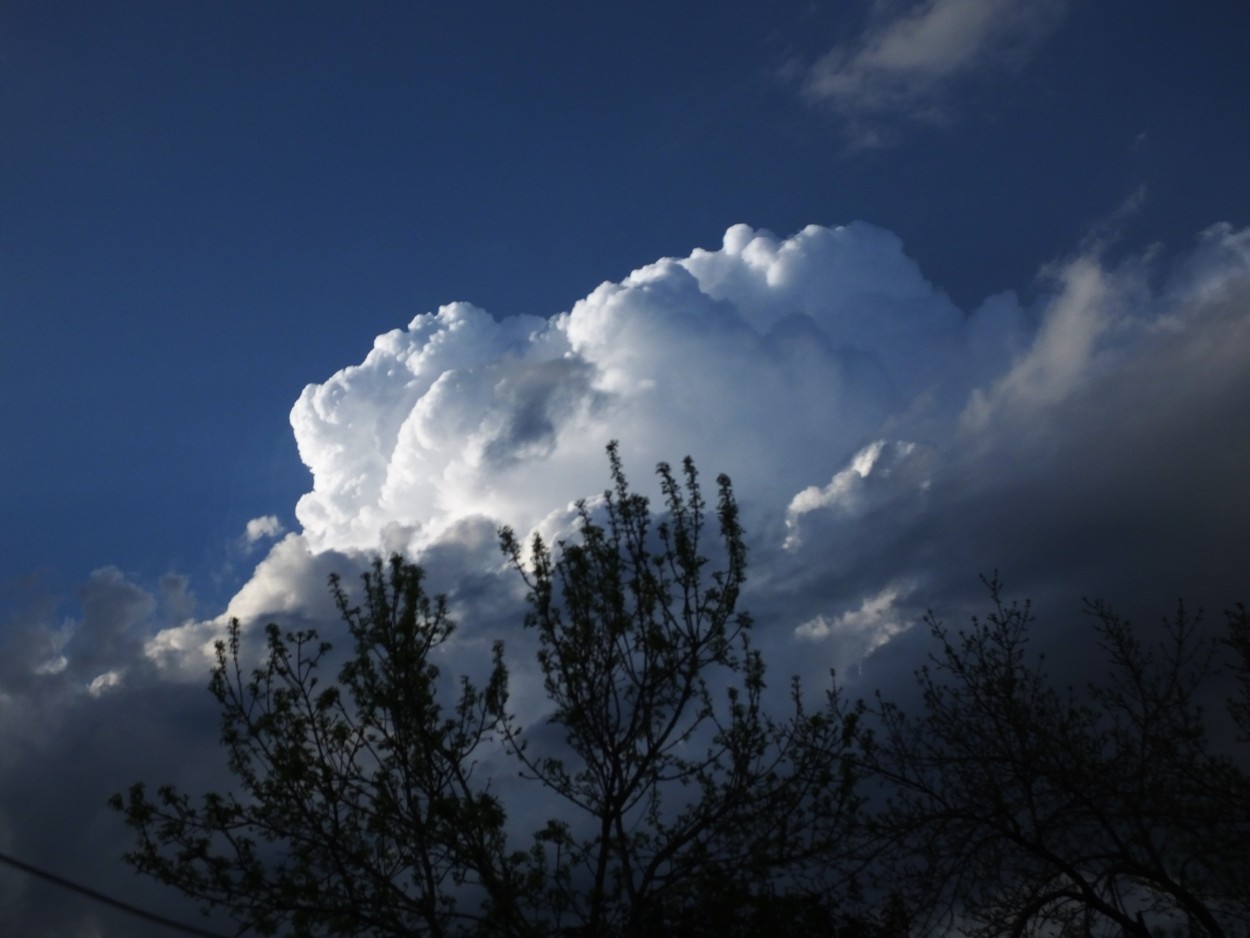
(769, 359)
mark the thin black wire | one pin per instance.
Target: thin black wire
(108, 900)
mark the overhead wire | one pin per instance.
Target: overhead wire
(97, 896)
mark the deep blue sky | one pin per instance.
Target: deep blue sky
(206, 206)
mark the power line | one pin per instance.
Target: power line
(108, 900)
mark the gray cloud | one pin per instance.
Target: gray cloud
(68, 740)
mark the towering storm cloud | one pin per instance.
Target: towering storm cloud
(770, 359)
(887, 447)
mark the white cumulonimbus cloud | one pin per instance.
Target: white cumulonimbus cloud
(771, 360)
(883, 443)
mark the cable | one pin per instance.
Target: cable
(107, 900)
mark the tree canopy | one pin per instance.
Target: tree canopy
(679, 803)
(675, 799)
(1017, 806)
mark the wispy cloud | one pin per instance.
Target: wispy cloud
(906, 63)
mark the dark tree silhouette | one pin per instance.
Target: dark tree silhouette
(680, 805)
(1016, 807)
(356, 810)
(696, 809)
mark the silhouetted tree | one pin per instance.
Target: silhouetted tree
(1019, 808)
(691, 800)
(680, 805)
(356, 810)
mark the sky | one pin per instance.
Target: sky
(945, 286)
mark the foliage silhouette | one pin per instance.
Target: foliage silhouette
(1019, 808)
(680, 805)
(694, 797)
(678, 802)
